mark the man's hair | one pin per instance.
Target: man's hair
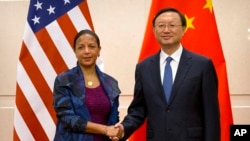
(183, 20)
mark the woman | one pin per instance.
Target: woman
(86, 99)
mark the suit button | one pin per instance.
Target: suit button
(168, 110)
(170, 131)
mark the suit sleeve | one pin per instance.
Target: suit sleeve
(210, 103)
(137, 109)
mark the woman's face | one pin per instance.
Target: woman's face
(87, 50)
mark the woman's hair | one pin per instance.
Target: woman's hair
(87, 31)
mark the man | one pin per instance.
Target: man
(191, 110)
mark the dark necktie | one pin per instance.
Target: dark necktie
(168, 79)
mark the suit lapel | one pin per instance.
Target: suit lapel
(183, 68)
(156, 76)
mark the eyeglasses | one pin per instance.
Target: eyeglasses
(170, 26)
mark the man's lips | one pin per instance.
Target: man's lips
(166, 37)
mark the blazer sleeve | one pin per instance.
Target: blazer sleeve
(66, 106)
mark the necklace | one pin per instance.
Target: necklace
(89, 83)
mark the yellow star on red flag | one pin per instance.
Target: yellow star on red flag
(209, 5)
(189, 22)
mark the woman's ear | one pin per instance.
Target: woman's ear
(99, 51)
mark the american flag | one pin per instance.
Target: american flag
(46, 51)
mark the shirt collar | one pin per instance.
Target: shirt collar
(176, 55)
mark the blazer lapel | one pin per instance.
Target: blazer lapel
(78, 83)
(109, 84)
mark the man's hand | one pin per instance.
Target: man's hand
(120, 133)
(111, 131)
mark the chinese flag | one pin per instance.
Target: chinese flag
(201, 36)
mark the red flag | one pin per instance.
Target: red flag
(201, 36)
(46, 51)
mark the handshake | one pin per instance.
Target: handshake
(114, 132)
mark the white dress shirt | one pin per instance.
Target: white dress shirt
(174, 63)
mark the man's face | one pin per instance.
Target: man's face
(168, 29)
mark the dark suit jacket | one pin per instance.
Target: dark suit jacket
(192, 113)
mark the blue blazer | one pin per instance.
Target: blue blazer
(192, 112)
(71, 111)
